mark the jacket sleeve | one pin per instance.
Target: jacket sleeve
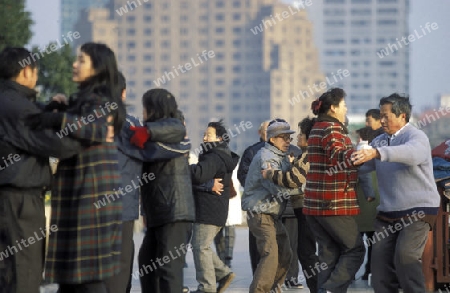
(268, 184)
(169, 130)
(367, 167)
(333, 142)
(414, 152)
(204, 170)
(43, 143)
(152, 150)
(155, 150)
(294, 178)
(205, 187)
(244, 165)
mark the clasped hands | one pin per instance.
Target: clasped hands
(52, 117)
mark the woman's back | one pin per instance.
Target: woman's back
(168, 197)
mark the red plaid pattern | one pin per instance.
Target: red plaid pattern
(332, 177)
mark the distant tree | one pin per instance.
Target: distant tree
(15, 24)
(55, 71)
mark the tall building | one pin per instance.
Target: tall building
(244, 61)
(364, 37)
(70, 11)
(96, 24)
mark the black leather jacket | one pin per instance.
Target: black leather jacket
(30, 149)
(168, 197)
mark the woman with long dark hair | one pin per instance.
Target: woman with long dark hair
(86, 210)
(168, 202)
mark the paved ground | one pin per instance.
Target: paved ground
(240, 265)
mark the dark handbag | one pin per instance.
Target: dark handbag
(233, 192)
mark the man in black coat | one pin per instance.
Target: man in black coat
(216, 161)
(24, 174)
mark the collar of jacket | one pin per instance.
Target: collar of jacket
(274, 149)
(328, 118)
(9, 84)
(208, 146)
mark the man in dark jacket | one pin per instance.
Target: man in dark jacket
(373, 121)
(25, 177)
(216, 161)
(250, 152)
(244, 165)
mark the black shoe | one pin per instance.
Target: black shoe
(225, 282)
(365, 277)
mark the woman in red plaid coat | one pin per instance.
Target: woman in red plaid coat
(86, 205)
(330, 198)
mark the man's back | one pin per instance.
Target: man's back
(246, 160)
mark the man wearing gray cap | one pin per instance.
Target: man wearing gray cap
(265, 202)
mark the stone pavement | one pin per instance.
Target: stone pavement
(240, 266)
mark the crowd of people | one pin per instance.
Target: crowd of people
(325, 192)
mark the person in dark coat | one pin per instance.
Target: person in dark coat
(216, 161)
(24, 175)
(167, 200)
(86, 249)
(130, 170)
(244, 165)
(130, 163)
(368, 199)
(373, 121)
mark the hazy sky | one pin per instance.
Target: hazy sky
(428, 64)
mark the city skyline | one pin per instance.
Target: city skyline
(351, 34)
(427, 56)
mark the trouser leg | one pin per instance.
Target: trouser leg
(22, 240)
(119, 283)
(306, 249)
(340, 247)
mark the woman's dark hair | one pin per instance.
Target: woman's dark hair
(306, 125)
(122, 82)
(219, 126)
(400, 104)
(160, 103)
(105, 81)
(323, 103)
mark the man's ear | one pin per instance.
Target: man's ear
(20, 76)
(333, 108)
(27, 72)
